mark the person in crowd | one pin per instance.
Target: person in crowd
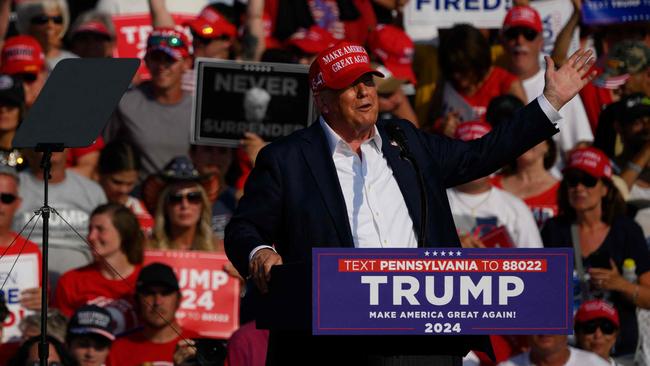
(479, 209)
(12, 243)
(182, 218)
(117, 242)
(7, 349)
(301, 193)
(92, 35)
(154, 117)
(596, 327)
(627, 73)
(57, 324)
(522, 41)
(133, 8)
(12, 111)
(592, 219)
(118, 175)
(528, 177)
(393, 103)
(215, 162)
(27, 354)
(23, 58)
(46, 21)
(213, 35)
(305, 44)
(393, 49)
(471, 80)
(90, 335)
(157, 299)
(554, 350)
(73, 197)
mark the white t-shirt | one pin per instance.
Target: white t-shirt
(575, 126)
(639, 193)
(141, 6)
(481, 213)
(578, 357)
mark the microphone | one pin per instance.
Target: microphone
(397, 135)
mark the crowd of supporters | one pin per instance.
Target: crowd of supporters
(142, 184)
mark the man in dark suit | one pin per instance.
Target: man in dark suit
(341, 183)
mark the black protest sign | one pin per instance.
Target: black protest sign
(232, 97)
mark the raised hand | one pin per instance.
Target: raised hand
(564, 83)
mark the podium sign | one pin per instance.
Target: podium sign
(442, 291)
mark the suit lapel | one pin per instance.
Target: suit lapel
(318, 158)
(405, 176)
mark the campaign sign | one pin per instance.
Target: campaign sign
(233, 97)
(24, 275)
(210, 304)
(433, 291)
(615, 11)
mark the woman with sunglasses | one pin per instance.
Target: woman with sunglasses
(592, 220)
(47, 21)
(117, 242)
(182, 218)
(596, 327)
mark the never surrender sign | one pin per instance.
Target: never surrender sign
(233, 97)
(442, 291)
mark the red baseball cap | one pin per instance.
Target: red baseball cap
(211, 24)
(595, 309)
(93, 26)
(523, 16)
(312, 40)
(22, 54)
(170, 41)
(591, 161)
(395, 49)
(472, 130)
(339, 66)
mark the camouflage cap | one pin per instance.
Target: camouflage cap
(625, 58)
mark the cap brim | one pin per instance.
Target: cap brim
(176, 55)
(197, 25)
(611, 80)
(91, 330)
(350, 77)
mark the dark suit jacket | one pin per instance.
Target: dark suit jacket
(293, 198)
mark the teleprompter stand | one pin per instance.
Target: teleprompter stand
(71, 111)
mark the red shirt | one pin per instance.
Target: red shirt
(544, 205)
(135, 350)
(86, 285)
(498, 82)
(75, 153)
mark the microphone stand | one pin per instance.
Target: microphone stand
(397, 134)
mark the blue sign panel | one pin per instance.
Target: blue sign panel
(615, 11)
(442, 291)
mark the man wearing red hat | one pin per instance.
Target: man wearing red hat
(154, 116)
(23, 57)
(341, 183)
(213, 34)
(523, 40)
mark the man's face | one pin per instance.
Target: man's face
(546, 345)
(255, 109)
(9, 200)
(166, 72)
(353, 109)
(639, 82)
(213, 48)
(211, 159)
(89, 44)
(90, 350)
(33, 84)
(523, 46)
(158, 305)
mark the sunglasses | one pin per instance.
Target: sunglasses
(192, 197)
(26, 77)
(159, 291)
(513, 33)
(169, 41)
(606, 326)
(575, 178)
(43, 19)
(7, 198)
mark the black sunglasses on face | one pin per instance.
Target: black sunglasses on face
(26, 77)
(575, 178)
(192, 197)
(7, 198)
(606, 326)
(43, 19)
(513, 33)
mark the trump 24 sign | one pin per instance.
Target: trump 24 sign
(442, 291)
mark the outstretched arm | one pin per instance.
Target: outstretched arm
(160, 16)
(564, 83)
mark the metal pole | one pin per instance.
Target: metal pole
(44, 347)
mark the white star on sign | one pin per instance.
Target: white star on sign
(458, 253)
(451, 254)
(443, 253)
(426, 254)
(435, 253)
